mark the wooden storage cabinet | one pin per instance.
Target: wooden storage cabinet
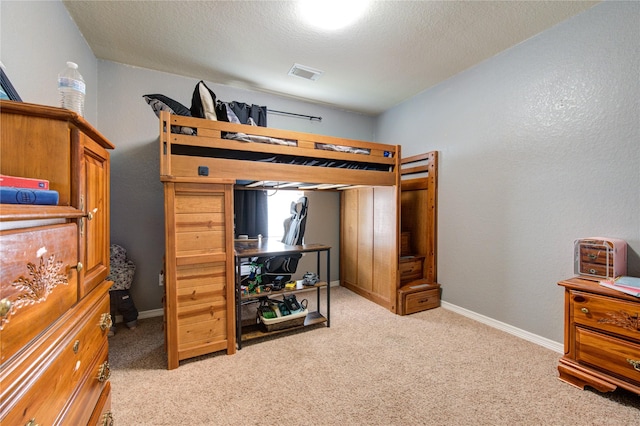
(199, 299)
(600, 257)
(369, 243)
(54, 312)
(602, 337)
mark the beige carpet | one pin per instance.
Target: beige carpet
(370, 367)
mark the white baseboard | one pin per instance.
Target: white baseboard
(150, 314)
(533, 338)
(144, 314)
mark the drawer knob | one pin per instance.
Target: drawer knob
(32, 422)
(91, 213)
(634, 363)
(79, 266)
(105, 372)
(5, 307)
(105, 321)
(584, 310)
(107, 419)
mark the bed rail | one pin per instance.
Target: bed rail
(419, 171)
(303, 159)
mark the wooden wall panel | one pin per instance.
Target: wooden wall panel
(349, 237)
(365, 239)
(369, 241)
(385, 258)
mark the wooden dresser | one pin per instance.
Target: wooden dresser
(54, 260)
(601, 337)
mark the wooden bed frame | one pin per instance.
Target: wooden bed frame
(199, 173)
(174, 166)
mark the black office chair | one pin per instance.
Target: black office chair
(280, 268)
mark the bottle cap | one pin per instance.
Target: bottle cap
(72, 65)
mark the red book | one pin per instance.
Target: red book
(22, 182)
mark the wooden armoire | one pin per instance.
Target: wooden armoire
(54, 261)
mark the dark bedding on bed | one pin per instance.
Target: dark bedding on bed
(275, 158)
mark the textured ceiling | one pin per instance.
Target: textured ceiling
(395, 51)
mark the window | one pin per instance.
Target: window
(279, 205)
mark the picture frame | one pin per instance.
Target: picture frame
(7, 91)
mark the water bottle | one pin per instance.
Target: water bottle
(71, 88)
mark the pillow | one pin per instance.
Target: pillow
(164, 103)
(203, 102)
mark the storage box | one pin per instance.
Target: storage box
(600, 257)
(281, 323)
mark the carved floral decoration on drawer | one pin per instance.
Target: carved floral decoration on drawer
(622, 319)
(43, 279)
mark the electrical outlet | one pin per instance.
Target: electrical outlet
(161, 279)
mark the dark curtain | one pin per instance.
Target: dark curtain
(245, 111)
(251, 213)
(250, 207)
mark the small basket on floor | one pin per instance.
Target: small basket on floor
(281, 323)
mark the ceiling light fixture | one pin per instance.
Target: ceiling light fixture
(331, 14)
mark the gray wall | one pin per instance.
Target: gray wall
(539, 146)
(37, 38)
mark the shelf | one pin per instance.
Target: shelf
(268, 247)
(299, 289)
(254, 331)
(36, 211)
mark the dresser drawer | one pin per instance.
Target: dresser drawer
(607, 314)
(410, 268)
(202, 304)
(608, 354)
(59, 381)
(38, 281)
(89, 391)
(102, 415)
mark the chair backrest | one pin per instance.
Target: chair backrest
(294, 225)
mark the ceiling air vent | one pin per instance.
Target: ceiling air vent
(305, 72)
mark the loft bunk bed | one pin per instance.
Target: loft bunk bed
(202, 162)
